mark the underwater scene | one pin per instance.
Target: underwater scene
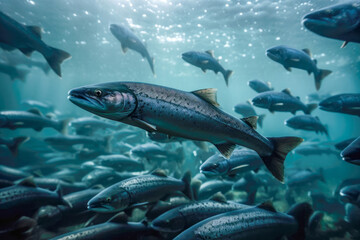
(166, 119)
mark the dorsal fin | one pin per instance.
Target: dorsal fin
(211, 53)
(209, 95)
(287, 91)
(307, 51)
(267, 206)
(218, 197)
(36, 30)
(35, 111)
(27, 182)
(159, 173)
(119, 218)
(251, 121)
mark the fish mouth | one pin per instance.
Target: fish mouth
(209, 173)
(185, 58)
(272, 56)
(100, 208)
(85, 102)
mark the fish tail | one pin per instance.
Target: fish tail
(301, 212)
(55, 58)
(151, 61)
(261, 119)
(188, 189)
(319, 76)
(17, 142)
(227, 75)
(282, 146)
(63, 126)
(310, 107)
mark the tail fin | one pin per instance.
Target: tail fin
(282, 146)
(188, 189)
(55, 58)
(16, 144)
(63, 126)
(261, 120)
(301, 212)
(321, 74)
(59, 192)
(151, 61)
(227, 75)
(310, 107)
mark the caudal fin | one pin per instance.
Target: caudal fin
(151, 61)
(282, 146)
(322, 73)
(63, 126)
(227, 75)
(301, 212)
(55, 58)
(261, 120)
(16, 144)
(310, 107)
(188, 191)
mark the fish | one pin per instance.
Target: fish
(260, 86)
(211, 187)
(351, 153)
(305, 177)
(28, 39)
(324, 203)
(350, 194)
(64, 142)
(347, 103)
(153, 152)
(12, 174)
(139, 190)
(340, 21)
(25, 198)
(42, 106)
(13, 144)
(241, 161)
(261, 222)
(247, 110)
(181, 218)
(282, 101)
(315, 221)
(15, 59)
(129, 40)
(315, 149)
(88, 125)
(30, 119)
(189, 115)
(13, 72)
(115, 228)
(249, 183)
(352, 215)
(301, 59)
(118, 162)
(317, 97)
(206, 61)
(308, 123)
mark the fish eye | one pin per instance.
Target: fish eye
(108, 199)
(97, 92)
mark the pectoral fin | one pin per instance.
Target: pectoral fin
(144, 125)
(288, 68)
(236, 169)
(124, 48)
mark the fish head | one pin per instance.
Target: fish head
(112, 199)
(262, 100)
(190, 57)
(214, 166)
(118, 30)
(332, 104)
(109, 100)
(333, 21)
(253, 84)
(277, 54)
(351, 153)
(292, 122)
(349, 194)
(170, 221)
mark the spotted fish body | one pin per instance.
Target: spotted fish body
(249, 224)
